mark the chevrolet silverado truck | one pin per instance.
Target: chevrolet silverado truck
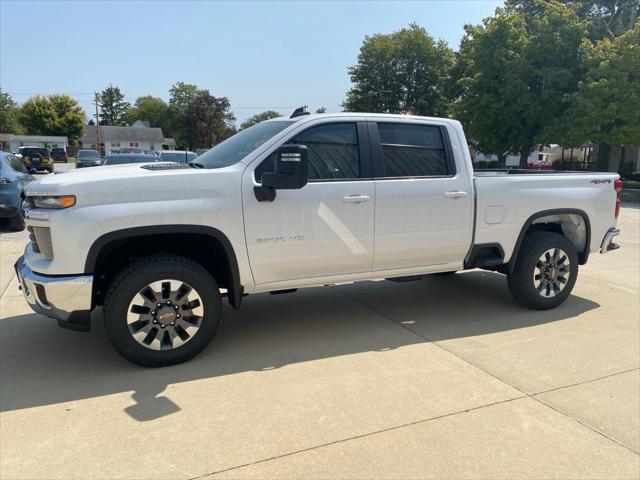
(310, 200)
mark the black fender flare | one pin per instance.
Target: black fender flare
(235, 290)
(582, 256)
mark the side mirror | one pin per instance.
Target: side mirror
(292, 169)
(292, 173)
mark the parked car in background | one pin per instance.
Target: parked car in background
(36, 158)
(179, 156)
(541, 165)
(124, 158)
(88, 158)
(59, 155)
(151, 152)
(14, 177)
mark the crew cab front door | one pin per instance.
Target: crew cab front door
(324, 229)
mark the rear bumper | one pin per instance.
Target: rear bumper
(607, 244)
(65, 298)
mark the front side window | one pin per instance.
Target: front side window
(410, 150)
(332, 151)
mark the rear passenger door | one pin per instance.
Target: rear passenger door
(424, 202)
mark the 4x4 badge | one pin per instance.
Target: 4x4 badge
(598, 181)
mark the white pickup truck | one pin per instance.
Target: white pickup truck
(305, 201)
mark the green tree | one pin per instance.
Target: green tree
(8, 114)
(606, 106)
(152, 109)
(181, 95)
(521, 72)
(113, 107)
(402, 72)
(207, 120)
(607, 18)
(53, 115)
(259, 117)
(199, 119)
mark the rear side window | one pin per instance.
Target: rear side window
(410, 150)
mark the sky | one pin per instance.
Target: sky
(260, 54)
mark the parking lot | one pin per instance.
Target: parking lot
(446, 377)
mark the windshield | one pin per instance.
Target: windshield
(122, 159)
(179, 157)
(88, 154)
(235, 148)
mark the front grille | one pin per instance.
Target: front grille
(41, 240)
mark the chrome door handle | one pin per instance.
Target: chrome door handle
(455, 194)
(356, 198)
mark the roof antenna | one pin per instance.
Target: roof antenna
(298, 112)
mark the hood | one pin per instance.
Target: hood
(132, 182)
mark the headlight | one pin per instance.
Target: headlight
(63, 201)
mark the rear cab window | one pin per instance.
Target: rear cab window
(414, 150)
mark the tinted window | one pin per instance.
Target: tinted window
(84, 154)
(412, 150)
(30, 152)
(332, 151)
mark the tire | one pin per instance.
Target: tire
(546, 271)
(130, 317)
(17, 223)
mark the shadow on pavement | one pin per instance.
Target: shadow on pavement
(41, 364)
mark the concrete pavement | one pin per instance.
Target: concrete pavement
(441, 378)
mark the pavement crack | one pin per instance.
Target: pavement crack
(8, 285)
(591, 380)
(532, 396)
(355, 437)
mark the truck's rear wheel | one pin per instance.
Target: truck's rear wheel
(162, 310)
(545, 272)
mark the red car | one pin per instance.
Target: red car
(541, 165)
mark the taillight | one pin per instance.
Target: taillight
(618, 187)
(4, 181)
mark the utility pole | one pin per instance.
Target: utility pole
(97, 101)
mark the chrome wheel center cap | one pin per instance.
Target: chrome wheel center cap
(166, 316)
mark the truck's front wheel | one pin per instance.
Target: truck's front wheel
(162, 310)
(545, 272)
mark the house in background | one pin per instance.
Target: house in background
(10, 142)
(139, 135)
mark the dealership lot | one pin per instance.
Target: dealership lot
(444, 377)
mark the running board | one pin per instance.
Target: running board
(408, 278)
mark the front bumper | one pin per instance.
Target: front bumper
(65, 298)
(607, 244)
